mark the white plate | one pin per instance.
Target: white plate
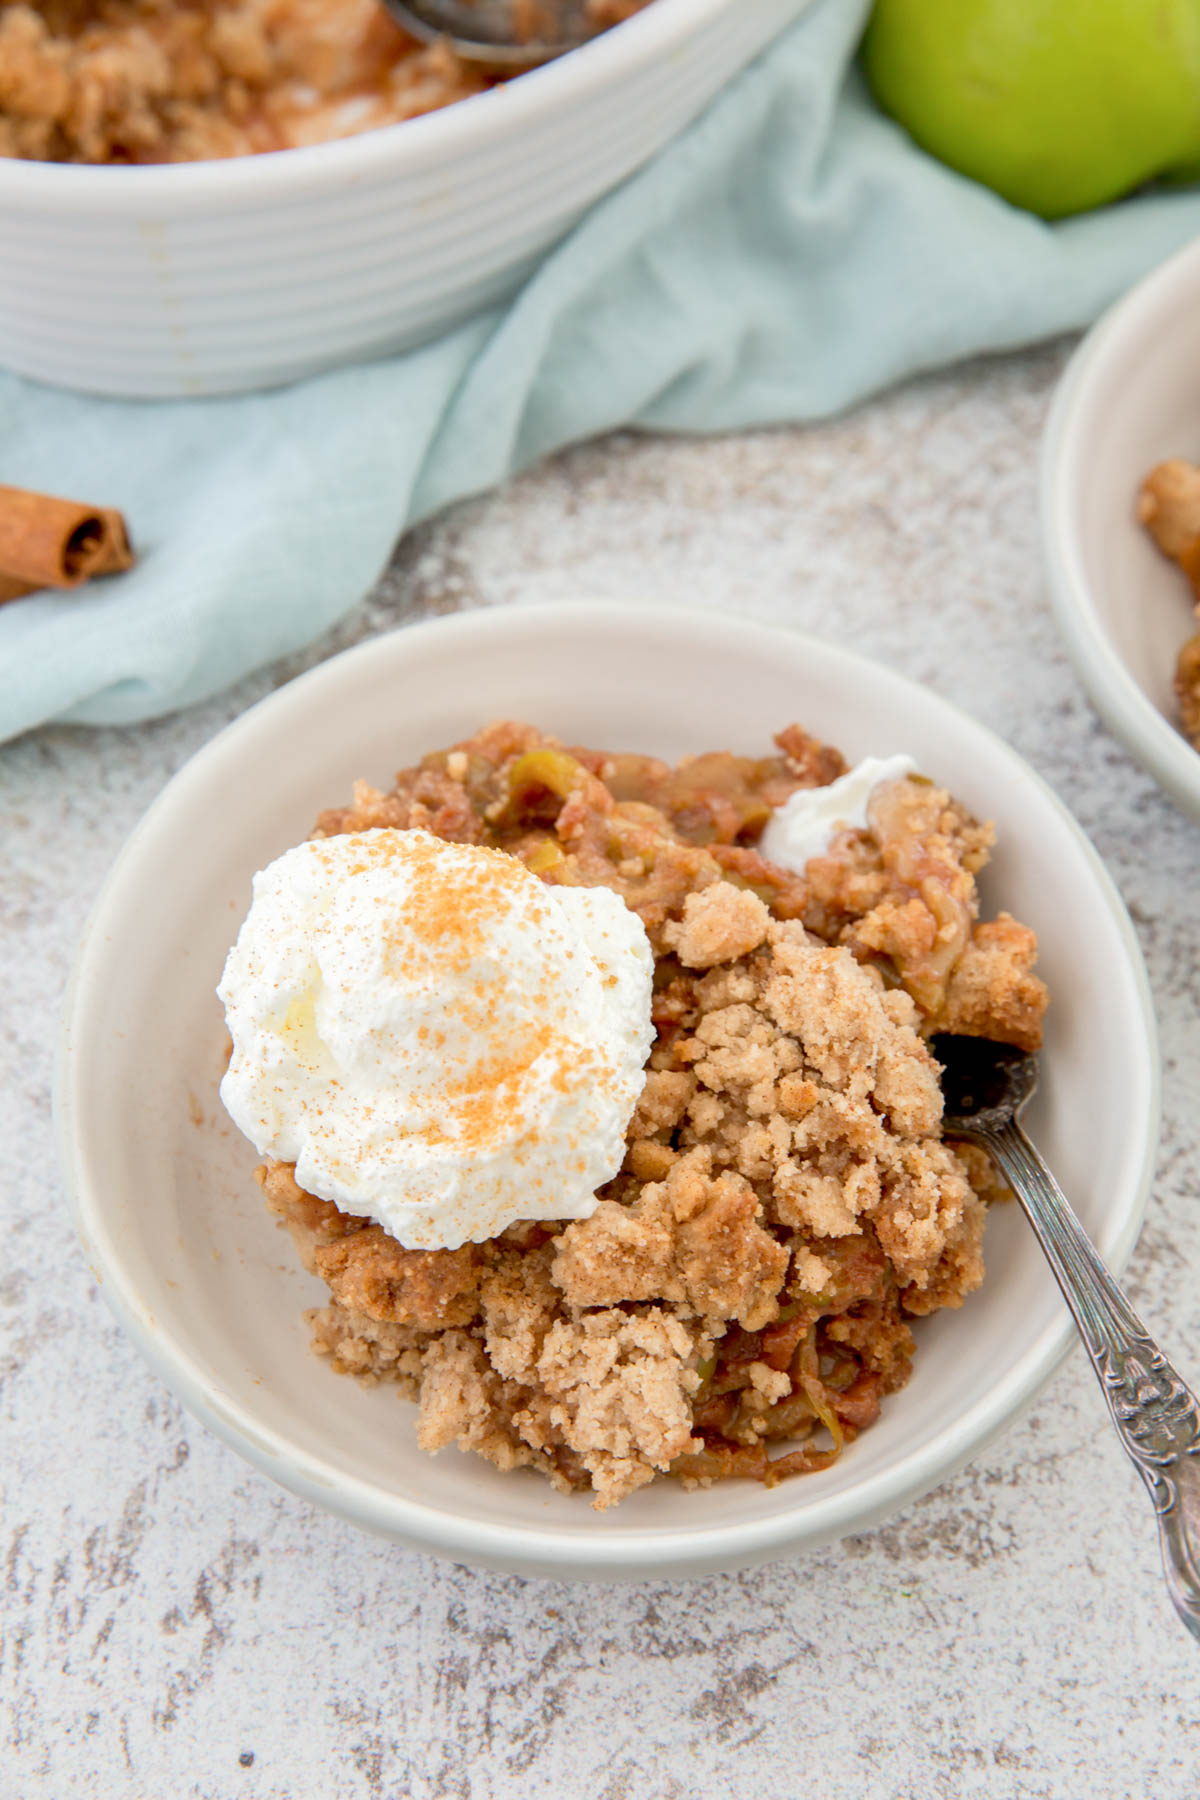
(174, 1225)
(1130, 398)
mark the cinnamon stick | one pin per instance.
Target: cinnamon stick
(13, 590)
(49, 542)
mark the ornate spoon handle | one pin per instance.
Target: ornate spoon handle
(1156, 1416)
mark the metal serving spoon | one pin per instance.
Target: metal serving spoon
(986, 1085)
(494, 32)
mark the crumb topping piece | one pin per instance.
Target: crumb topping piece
(1169, 508)
(719, 924)
(694, 1239)
(1187, 689)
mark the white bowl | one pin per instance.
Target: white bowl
(1130, 398)
(174, 1226)
(214, 277)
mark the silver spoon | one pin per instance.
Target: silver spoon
(986, 1085)
(493, 32)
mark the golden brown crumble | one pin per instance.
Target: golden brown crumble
(179, 81)
(693, 1239)
(1187, 689)
(1169, 508)
(786, 1204)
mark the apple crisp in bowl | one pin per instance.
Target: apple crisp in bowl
(738, 1299)
(213, 1294)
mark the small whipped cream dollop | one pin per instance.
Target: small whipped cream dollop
(809, 820)
(437, 1039)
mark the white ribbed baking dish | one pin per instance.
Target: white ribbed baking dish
(207, 278)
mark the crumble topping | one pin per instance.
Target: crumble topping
(693, 1239)
(719, 923)
(1169, 507)
(1187, 689)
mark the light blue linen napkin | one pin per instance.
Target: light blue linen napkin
(789, 254)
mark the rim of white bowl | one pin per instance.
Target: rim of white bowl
(408, 145)
(683, 1548)
(1118, 697)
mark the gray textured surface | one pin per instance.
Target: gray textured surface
(174, 1627)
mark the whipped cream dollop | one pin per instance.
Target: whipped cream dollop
(809, 820)
(436, 1038)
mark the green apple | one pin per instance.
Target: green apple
(1059, 105)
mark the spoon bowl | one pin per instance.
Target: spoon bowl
(505, 35)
